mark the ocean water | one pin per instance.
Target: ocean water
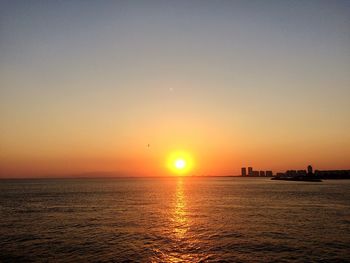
(174, 220)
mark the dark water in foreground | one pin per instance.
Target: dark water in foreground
(174, 220)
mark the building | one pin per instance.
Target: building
(309, 169)
(250, 171)
(301, 173)
(255, 173)
(291, 173)
(297, 173)
(269, 173)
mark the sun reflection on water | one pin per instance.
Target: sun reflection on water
(180, 217)
(183, 234)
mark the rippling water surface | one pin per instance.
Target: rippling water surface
(174, 220)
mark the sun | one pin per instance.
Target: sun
(180, 163)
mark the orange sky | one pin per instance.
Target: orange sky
(234, 84)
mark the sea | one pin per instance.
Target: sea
(174, 219)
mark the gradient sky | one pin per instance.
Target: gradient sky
(86, 85)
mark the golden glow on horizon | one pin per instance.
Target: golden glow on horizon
(180, 163)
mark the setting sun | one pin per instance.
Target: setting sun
(180, 163)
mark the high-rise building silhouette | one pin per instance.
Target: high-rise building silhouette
(309, 169)
(250, 171)
(244, 171)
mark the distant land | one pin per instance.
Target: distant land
(309, 172)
